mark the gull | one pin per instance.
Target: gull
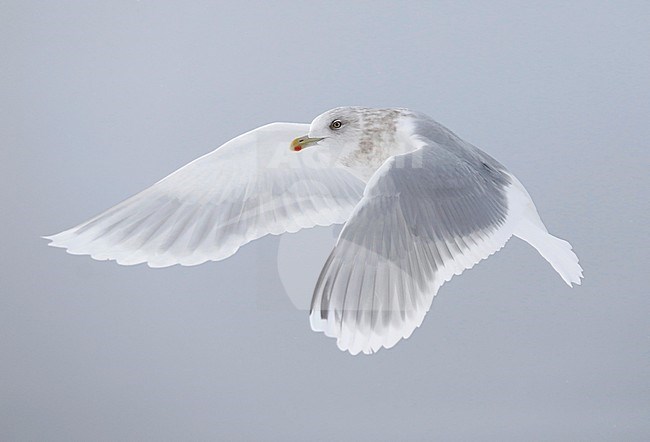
(419, 205)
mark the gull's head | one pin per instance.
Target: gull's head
(357, 137)
(333, 129)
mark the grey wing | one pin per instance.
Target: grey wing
(424, 217)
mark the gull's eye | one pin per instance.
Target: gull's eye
(336, 124)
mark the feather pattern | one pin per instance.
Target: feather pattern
(249, 187)
(425, 216)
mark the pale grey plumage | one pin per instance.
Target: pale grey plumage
(433, 206)
(426, 215)
(426, 207)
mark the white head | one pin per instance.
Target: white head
(359, 138)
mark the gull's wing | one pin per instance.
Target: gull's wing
(424, 217)
(250, 187)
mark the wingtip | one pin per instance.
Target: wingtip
(576, 280)
(51, 240)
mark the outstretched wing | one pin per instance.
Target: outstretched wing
(250, 187)
(425, 216)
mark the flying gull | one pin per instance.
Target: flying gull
(418, 205)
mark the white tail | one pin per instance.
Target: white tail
(556, 251)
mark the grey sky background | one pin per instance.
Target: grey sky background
(101, 99)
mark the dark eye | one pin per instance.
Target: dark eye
(336, 124)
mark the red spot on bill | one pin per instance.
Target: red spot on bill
(297, 148)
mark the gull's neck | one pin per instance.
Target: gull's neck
(384, 133)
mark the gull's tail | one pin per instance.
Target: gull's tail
(555, 250)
